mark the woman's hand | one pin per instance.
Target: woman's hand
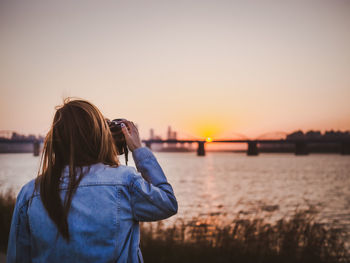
(131, 134)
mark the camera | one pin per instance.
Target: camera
(118, 136)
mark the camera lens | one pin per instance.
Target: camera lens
(118, 136)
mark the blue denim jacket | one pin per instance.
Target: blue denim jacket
(103, 219)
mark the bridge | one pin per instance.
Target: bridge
(20, 146)
(300, 145)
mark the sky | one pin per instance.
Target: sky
(207, 68)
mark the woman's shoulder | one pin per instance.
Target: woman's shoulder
(26, 193)
(120, 174)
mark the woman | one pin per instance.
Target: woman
(85, 206)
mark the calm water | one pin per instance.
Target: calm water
(272, 185)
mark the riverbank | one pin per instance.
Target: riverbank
(206, 239)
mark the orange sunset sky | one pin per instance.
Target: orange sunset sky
(207, 68)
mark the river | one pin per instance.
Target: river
(228, 184)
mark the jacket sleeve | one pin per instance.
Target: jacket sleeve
(18, 249)
(152, 197)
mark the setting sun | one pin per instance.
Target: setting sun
(208, 139)
(209, 125)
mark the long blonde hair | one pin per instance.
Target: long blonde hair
(79, 137)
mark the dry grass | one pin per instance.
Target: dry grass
(297, 239)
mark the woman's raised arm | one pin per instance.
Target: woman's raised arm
(152, 196)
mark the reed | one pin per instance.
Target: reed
(295, 239)
(7, 204)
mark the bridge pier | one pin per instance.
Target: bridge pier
(36, 148)
(301, 148)
(201, 149)
(148, 144)
(345, 148)
(252, 148)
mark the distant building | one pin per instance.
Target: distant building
(171, 134)
(151, 134)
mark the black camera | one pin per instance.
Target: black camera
(118, 136)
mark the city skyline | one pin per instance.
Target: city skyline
(210, 69)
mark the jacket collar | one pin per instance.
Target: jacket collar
(85, 169)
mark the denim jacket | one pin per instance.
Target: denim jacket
(103, 219)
